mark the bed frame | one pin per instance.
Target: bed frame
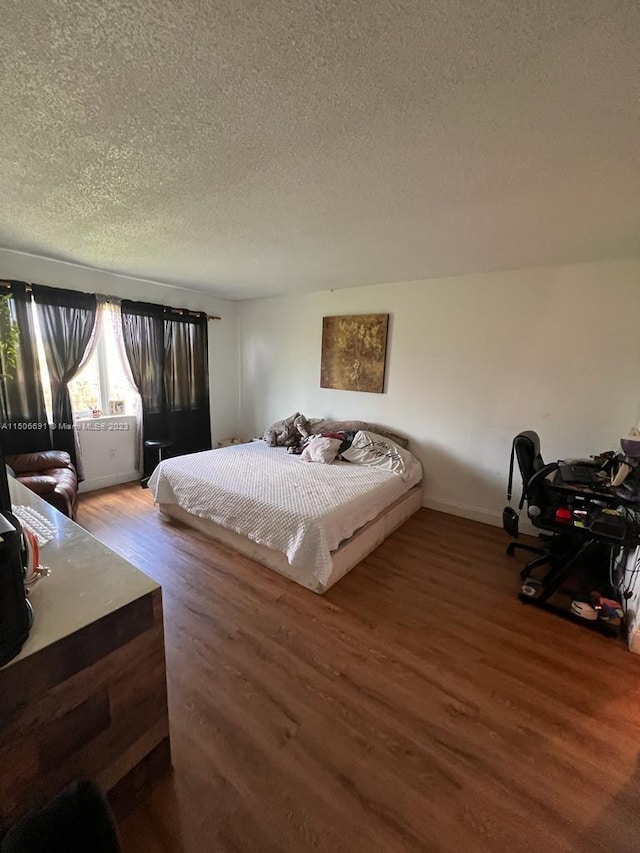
(348, 554)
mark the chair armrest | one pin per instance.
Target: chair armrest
(41, 484)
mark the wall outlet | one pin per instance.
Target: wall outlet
(112, 453)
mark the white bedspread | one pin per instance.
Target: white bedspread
(302, 509)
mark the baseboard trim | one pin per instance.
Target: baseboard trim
(475, 513)
(109, 480)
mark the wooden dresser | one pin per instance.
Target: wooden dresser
(87, 694)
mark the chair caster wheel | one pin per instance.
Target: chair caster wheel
(529, 589)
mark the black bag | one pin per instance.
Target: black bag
(510, 520)
(510, 517)
(15, 614)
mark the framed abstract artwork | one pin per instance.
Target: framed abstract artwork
(354, 351)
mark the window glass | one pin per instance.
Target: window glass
(84, 389)
(122, 397)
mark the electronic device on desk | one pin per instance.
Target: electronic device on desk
(15, 611)
(579, 474)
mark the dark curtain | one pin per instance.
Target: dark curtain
(23, 418)
(143, 334)
(187, 381)
(167, 352)
(66, 319)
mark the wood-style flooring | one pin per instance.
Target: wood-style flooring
(417, 706)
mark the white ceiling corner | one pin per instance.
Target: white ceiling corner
(249, 149)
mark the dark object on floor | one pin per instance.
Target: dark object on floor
(50, 474)
(510, 522)
(158, 444)
(78, 820)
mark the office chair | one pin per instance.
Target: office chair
(526, 449)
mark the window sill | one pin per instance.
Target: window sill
(102, 418)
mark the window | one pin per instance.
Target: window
(117, 387)
(102, 383)
(85, 389)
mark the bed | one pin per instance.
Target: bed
(307, 521)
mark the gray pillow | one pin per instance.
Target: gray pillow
(10, 471)
(399, 439)
(318, 426)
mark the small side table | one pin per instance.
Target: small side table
(158, 444)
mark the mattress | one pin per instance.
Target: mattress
(301, 509)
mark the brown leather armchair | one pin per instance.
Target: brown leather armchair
(50, 474)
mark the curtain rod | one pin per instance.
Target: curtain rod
(7, 284)
(191, 313)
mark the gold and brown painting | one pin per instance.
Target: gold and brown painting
(354, 351)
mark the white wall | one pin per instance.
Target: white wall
(223, 344)
(471, 361)
(108, 449)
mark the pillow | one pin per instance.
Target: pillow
(320, 448)
(324, 425)
(400, 440)
(10, 471)
(345, 439)
(376, 451)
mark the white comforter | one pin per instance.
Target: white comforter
(302, 509)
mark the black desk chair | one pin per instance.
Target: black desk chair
(534, 472)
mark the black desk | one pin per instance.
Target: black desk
(600, 492)
(586, 549)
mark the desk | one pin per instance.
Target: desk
(86, 696)
(590, 542)
(601, 492)
(601, 500)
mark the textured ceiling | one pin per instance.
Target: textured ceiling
(260, 147)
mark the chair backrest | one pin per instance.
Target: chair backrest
(527, 449)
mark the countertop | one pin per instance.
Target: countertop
(87, 579)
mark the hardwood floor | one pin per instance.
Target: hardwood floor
(417, 706)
